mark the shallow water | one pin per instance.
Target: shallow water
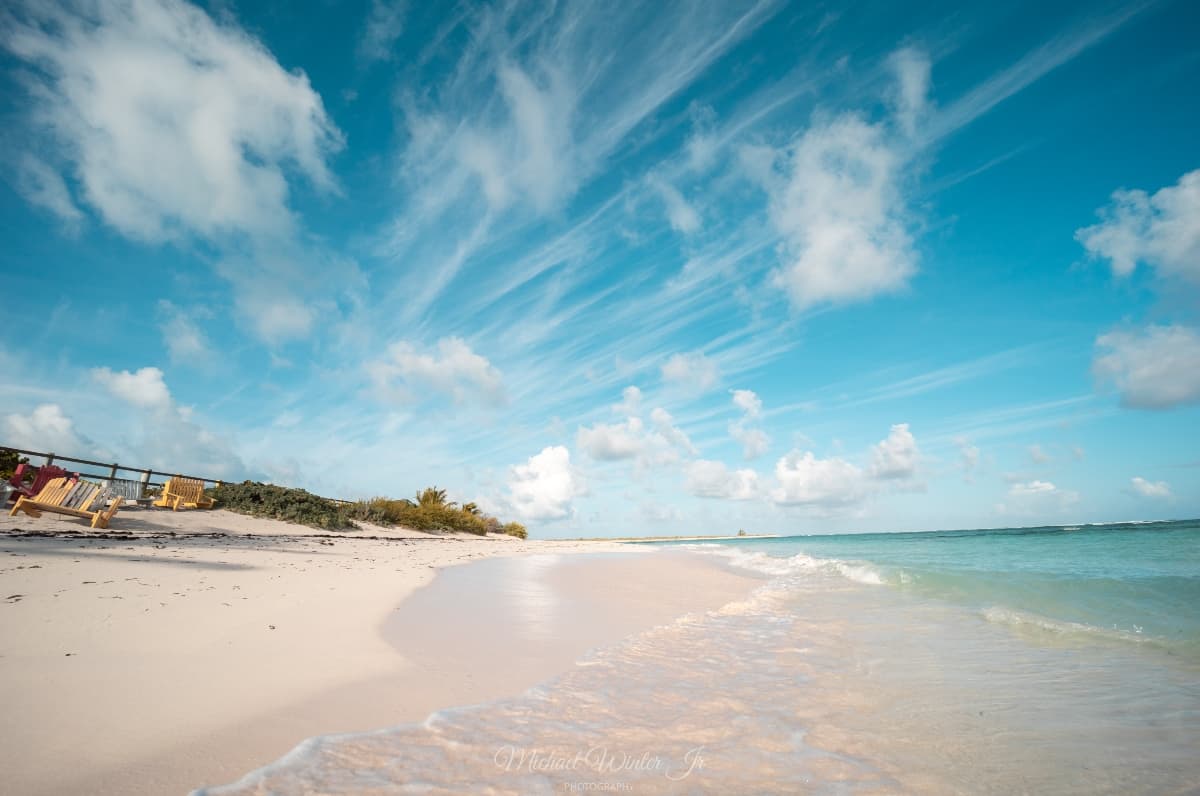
(867, 665)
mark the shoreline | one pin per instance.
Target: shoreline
(200, 646)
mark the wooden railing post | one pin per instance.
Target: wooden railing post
(49, 459)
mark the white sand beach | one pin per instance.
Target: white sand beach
(182, 649)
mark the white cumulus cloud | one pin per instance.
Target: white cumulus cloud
(172, 123)
(713, 479)
(754, 441)
(631, 401)
(748, 401)
(143, 388)
(662, 442)
(1150, 489)
(837, 200)
(612, 441)
(1161, 230)
(897, 456)
(664, 425)
(1157, 367)
(806, 480)
(46, 429)
(453, 369)
(1032, 488)
(543, 487)
(692, 370)
(1037, 498)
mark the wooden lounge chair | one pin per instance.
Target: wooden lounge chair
(75, 499)
(185, 492)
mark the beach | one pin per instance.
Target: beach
(178, 650)
(210, 652)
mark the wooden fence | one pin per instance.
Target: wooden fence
(111, 470)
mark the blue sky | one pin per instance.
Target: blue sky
(608, 270)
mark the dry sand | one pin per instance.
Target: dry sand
(183, 649)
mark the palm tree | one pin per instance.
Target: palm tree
(432, 496)
(471, 508)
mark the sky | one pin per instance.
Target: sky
(615, 269)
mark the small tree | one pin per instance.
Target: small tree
(515, 529)
(432, 496)
(9, 459)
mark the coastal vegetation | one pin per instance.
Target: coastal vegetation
(281, 503)
(9, 459)
(429, 510)
(432, 510)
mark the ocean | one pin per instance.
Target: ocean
(1031, 660)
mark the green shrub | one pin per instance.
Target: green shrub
(431, 511)
(9, 459)
(281, 503)
(515, 529)
(437, 515)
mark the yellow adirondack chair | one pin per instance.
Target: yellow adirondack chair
(185, 492)
(61, 496)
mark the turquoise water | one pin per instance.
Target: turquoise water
(1138, 583)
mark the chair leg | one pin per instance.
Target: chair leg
(23, 506)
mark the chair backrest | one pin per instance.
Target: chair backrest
(55, 492)
(17, 479)
(125, 488)
(47, 473)
(81, 496)
(68, 493)
(190, 489)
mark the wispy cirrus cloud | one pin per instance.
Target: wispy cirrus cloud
(1030, 68)
(385, 23)
(530, 112)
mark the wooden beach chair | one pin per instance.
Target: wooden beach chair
(75, 499)
(185, 492)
